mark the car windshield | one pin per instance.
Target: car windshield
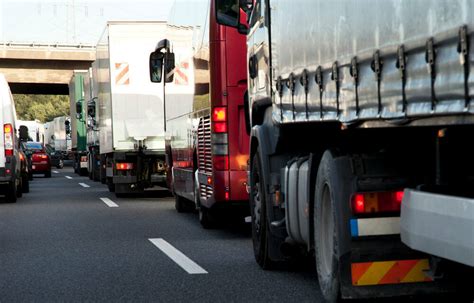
(34, 146)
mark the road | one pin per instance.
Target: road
(61, 242)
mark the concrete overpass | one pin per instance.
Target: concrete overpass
(42, 68)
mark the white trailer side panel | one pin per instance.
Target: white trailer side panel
(327, 34)
(101, 70)
(135, 109)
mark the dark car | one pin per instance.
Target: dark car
(55, 156)
(40, 160)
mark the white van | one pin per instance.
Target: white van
(10, 165)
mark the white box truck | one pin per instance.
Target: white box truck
(131, 122)
(35, 130)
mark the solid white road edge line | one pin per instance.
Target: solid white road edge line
(68, 177)
(178, 257)
(84, 185)
(109, 202)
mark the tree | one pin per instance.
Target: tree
(41, 107)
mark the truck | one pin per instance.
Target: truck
(206, 141)
(360, 114)
(55, 134)
(35, 130)
(92, 131)
(131, 119)
(78, 88)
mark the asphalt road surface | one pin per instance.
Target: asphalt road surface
(69, 239)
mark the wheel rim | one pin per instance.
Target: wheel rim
(327, 232)
(257, 205)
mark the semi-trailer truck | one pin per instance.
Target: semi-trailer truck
(78, 88)
(207, 147)
(92, 123)
(131, 121)
(357, 110)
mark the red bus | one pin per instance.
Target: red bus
(206, 141)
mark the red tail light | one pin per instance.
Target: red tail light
(124, 166)
(8, 137)
(220, 127)
(377, 202)
(219, 119)
(39, 157)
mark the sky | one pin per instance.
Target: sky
(71, 21)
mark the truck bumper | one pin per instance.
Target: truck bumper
(158, 178)
(439, 225)
(385, 267)
(124, 179)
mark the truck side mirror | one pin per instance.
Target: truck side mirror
(156, 66)
(67, 125)
(23, 133)
(79, 109)
(91, 107)
(228, 12)
(169, 67)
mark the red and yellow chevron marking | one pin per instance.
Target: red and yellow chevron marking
(389, 272)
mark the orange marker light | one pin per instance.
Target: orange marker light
(219, 114)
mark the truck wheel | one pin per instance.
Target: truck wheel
(47, 174)
(19, 189)
(328, 183)
(60, 164)
(25, 184)
(11, 193)
(181, 204)
(260, 229)
(110, 185)
(206, 218)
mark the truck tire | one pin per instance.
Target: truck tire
(181, 204)
(19, 189)
(110, 185)
(206, 218)
(328, 185)
(47, 174)
(60, 164)
(11, 195)
(25, 184)
(261, 236)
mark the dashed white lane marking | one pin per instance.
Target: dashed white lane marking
(84, 185)
(109, 202)
(55, 172)
(68, 177)
(178, 257)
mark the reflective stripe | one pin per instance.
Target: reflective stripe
(375, 226)
(389, 272)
